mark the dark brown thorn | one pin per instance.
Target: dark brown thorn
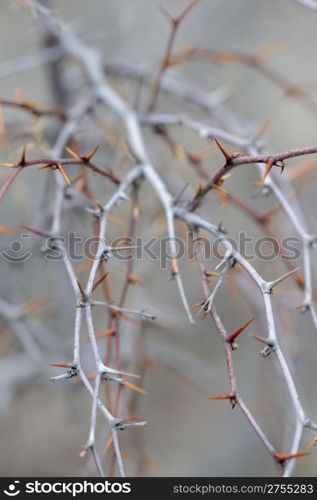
(22, 161)
(224, 152)
(91, 155)
(99, 281)
(81, 289)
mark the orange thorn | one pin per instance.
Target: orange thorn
(300, 280)
(7, 230)
(219, 188)
(32, 304)
(256, 184)
(231, 398)
(84, 449)
(259, 339)
(133, 418)
(227, 57)
(108, 444)
(210, 273)
(268, 169)
(198, 189)
(302, 307)
(127, 374)
(81, 289)
(109, 332)
(83, 267)
(224, 152)
(265, 125)
(180, 152)
(312, 442)
(19, 94)
(61, 365)
(174, 268)
(52, 166)
(23, 157)
(134, 387)
(91, 154)
(72, 153)
(187, 10)
(62, 171)
(194, 306)
(35, 231)
(270, 164)
(222, 396)
(126, 455)
(99, 282)
(234, 335)
(201, 155)
(282, 458)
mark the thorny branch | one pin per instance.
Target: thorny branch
(250, 153)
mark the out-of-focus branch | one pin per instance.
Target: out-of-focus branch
(19, 64)
(311, 4)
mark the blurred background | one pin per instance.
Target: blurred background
(44, 425)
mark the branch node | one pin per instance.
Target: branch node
(268, 350)
(70, 373)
